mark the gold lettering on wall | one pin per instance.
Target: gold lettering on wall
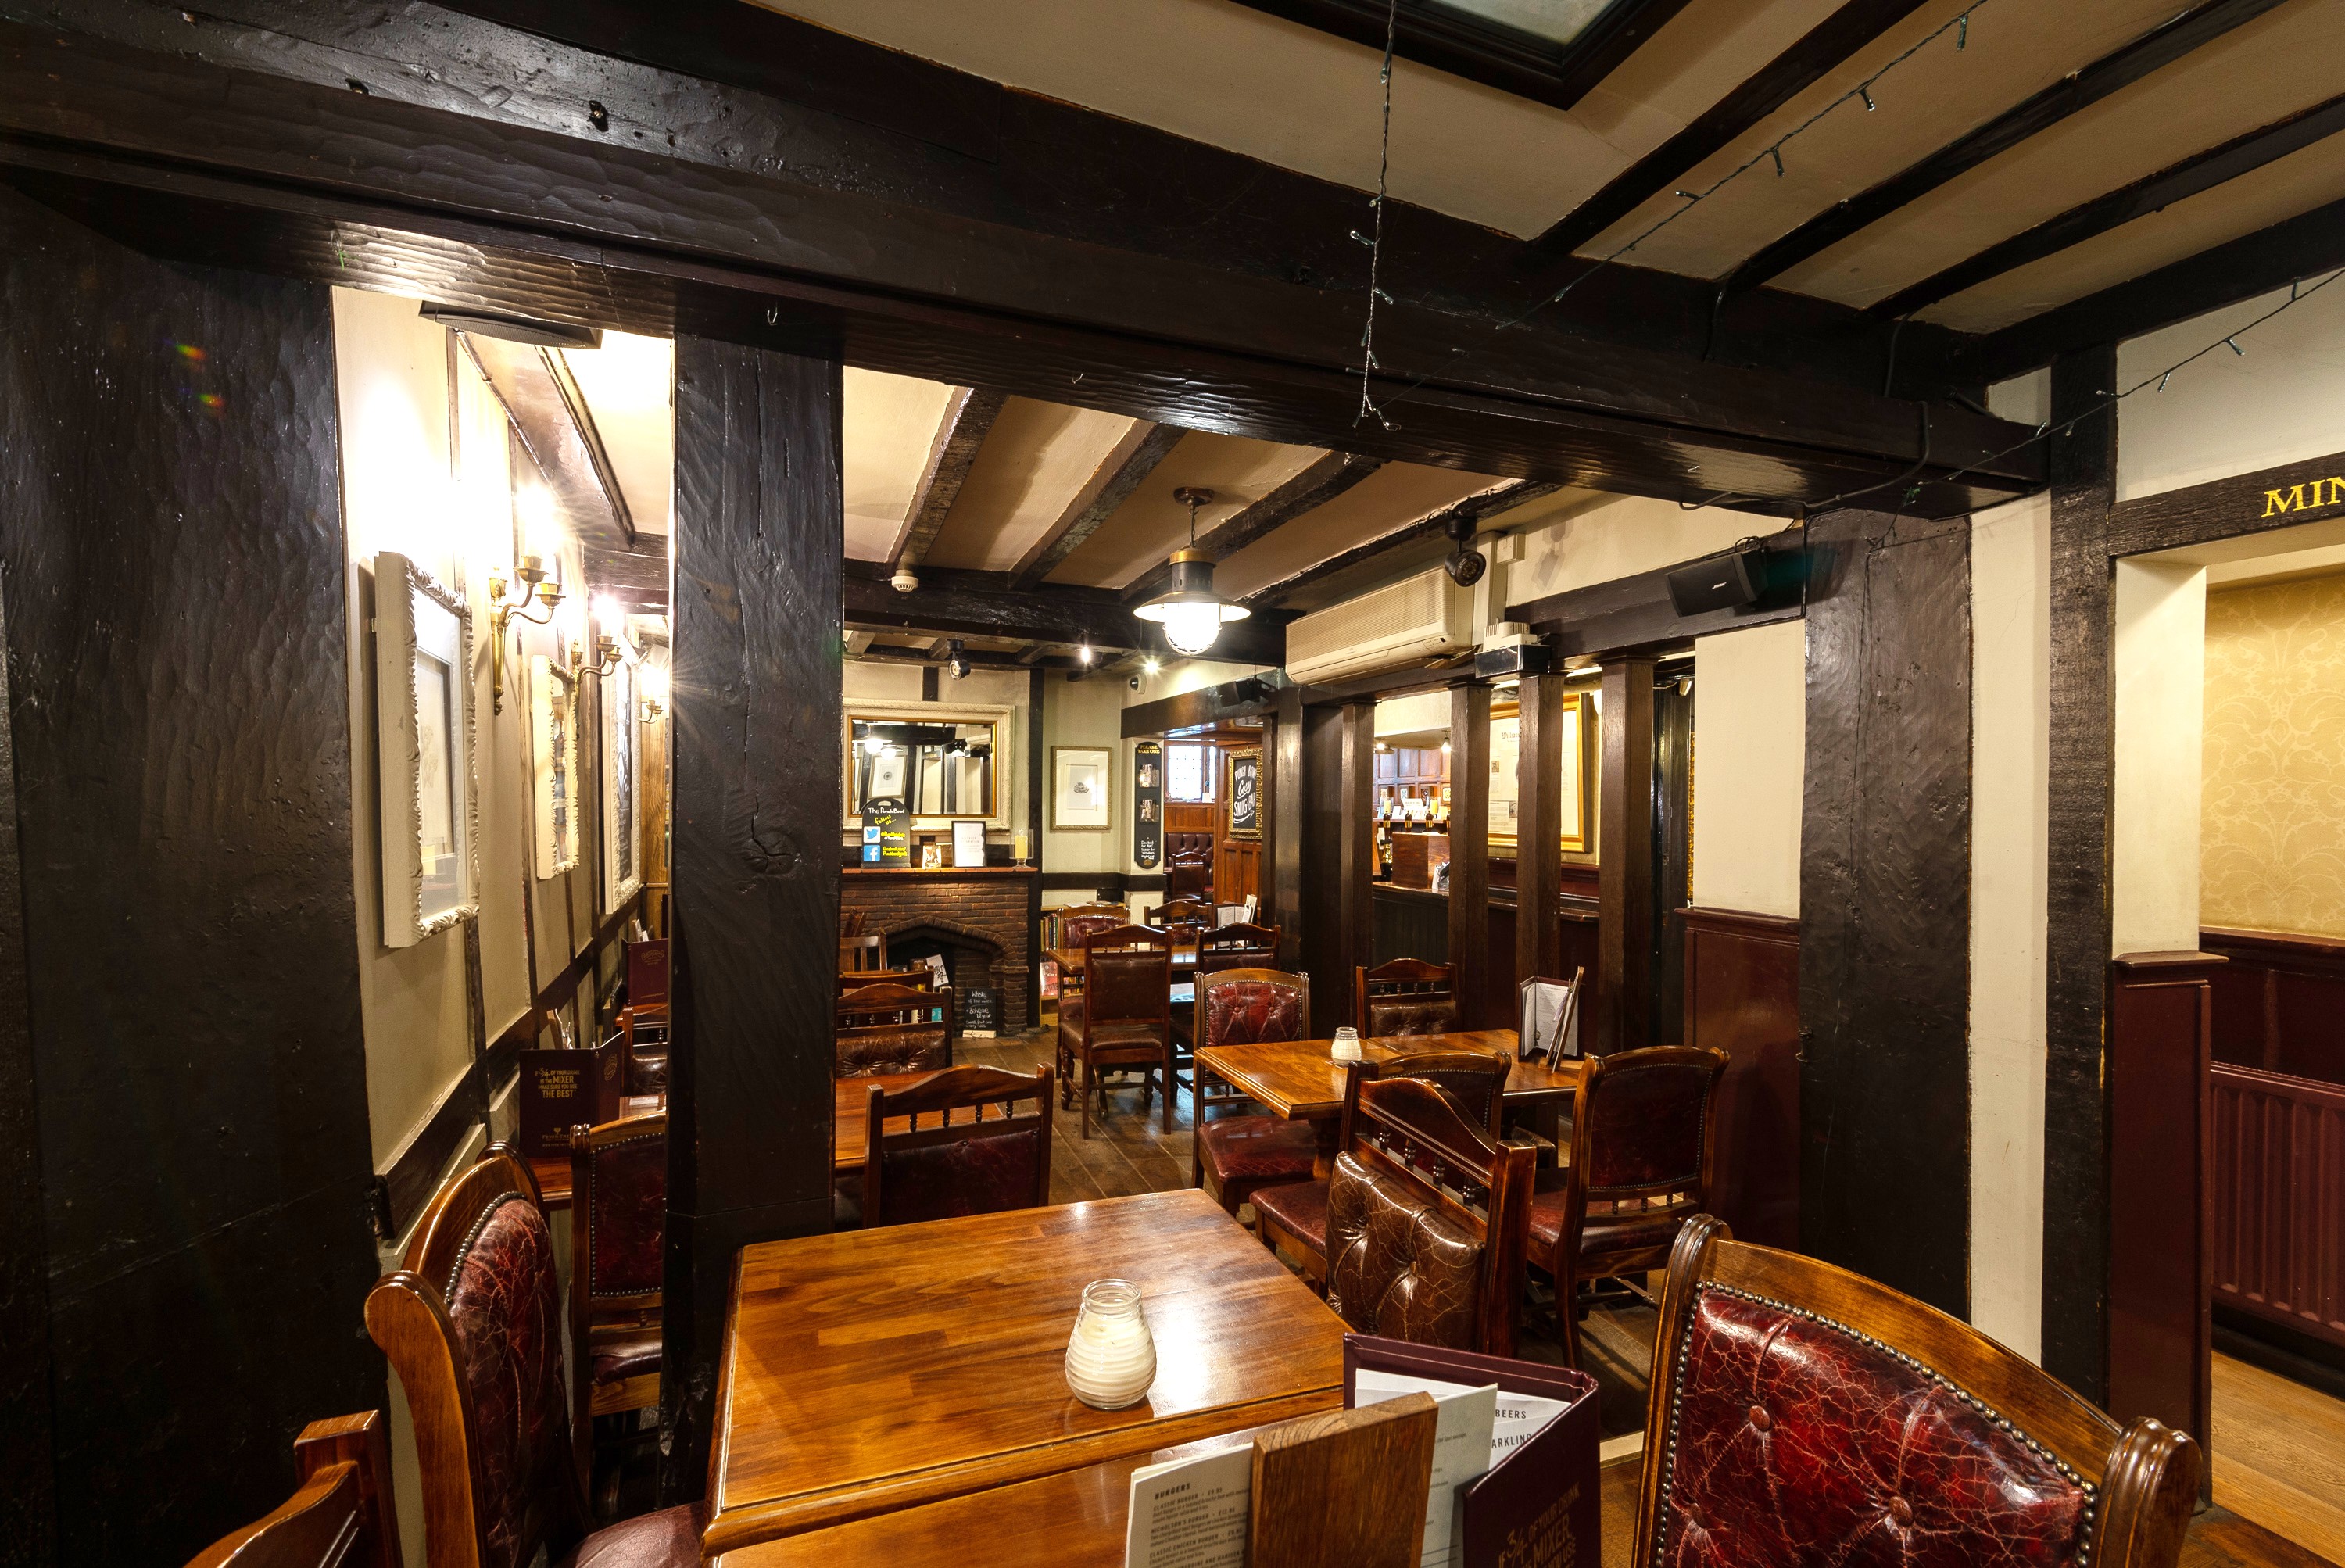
(2308, 496)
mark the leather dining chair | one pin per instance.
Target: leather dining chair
(1294, 1214)
(471, 1323)
(644, 1028)
(1644, 1140)
(859, 953)
(958, 1167)
(1239, 946)
(1406, 996)
(1123, 1018)
(892, 1029)
(341, 1515)
(1190, 915)
(1802, 1413)
(1230, 1156)
(1425, 1221)
(1076, 922)
(618, 1209)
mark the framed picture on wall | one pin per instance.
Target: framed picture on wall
(1575, 727)
(1246, 794)
(553, 765)
(1080, 789)
(423, 747)
(622, 848)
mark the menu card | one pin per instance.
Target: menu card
(1191, 1513)
(1462, 1451)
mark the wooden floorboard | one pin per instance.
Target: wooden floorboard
(2280, 1456)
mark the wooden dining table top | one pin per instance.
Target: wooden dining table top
(851, 1117)
(1297, 1080)
(871, 1370)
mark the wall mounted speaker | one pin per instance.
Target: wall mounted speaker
(1724, 582)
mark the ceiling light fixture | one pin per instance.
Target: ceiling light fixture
(956, 661)
(1188, 609)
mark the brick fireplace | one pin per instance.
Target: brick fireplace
(976, 917)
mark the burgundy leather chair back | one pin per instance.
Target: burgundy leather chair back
(1192, 916)
(1406, 1258)
(1240, 945)
(962, 1167)
(621, 1178)
(1648, 1119)
(1474, 1081)
(1249, 1006)
(1188, 866)
(1407, 996)
(506, 1309)
(1127, 976)
(1079, 922)
(892, 1029)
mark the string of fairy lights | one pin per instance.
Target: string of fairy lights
(1771, 154)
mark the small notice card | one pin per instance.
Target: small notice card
(1191, 1513)
(1463, 1450)
(968, 843)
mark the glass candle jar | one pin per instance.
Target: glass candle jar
(1111, 1356)
(1346, 1046)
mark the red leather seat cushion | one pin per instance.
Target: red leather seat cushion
(668, 1539)
(618, 1361)
(1258, 1148)
(1405, 1017)
(1603, 1233)
(1301, 1206)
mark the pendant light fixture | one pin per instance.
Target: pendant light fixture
(1188, 609)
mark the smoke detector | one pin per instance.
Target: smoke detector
(903, 582)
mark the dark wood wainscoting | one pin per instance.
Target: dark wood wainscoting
(2280, 1002)
(2160, 1334)
(1742, 997)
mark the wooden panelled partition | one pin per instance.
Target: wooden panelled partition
(755, 908)
(1624, 854)
(1538, 828)
(1742, 997)
(1469, 947)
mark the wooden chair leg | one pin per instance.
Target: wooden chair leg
(1168, 1086)
(1084, 1094)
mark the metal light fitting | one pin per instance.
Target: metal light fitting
(1190, 611)
(535, 583)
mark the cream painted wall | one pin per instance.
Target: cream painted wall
(1619, 537)
(1750, 762)
(2233, 413)
(2161, 684)
(2011, 737)
(1088, 712)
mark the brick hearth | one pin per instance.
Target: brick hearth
(991, 904)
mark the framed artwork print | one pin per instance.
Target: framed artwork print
(423, 689)
(621, 840)
(1081, 788)
(1246, 794)
(553, 764)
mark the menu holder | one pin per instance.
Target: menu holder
(1537, 1506)
(564, 1088)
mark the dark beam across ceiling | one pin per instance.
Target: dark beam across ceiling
(558, 433)
(969, 416)
(2269, 259)
(1472, 508)
(2160, 46)
(636, 577)
(1819, 51)
(1327, 477)
(2200, 172)
(986, 605)
(982, 658)
(1122, 470)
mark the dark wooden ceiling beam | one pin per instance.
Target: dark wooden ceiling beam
(2200, 172)
(954, 603)
(1324, 479)
(2160, 46)
(1471, 508)
(967, 418)
(982, 658)
(1122, 470)
(2269, 259)
(558, 433)
(638, 578)
(1818, 52)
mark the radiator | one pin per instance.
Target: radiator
(2280, 1199)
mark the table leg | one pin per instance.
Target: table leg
(1323, 1158)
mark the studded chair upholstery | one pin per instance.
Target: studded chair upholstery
(892, 1029)
(618, 1209)
(1240, 945)
(971, 1165)
(1294, 1214)
(1124, 1019)
(1425, 1221)
(1230, 1156)
(1800, 1413)
(1189, 867)
(1406, 996)
(1076, 922)
(1644, 1139)
(471, 1323)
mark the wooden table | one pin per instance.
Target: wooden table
(1297, 1080)
(851, 1115)
(871, 1370)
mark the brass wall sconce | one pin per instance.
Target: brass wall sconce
(535, 583)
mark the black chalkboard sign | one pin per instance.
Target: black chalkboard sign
(980, 1012)
(1246, 794)
(1148, 805)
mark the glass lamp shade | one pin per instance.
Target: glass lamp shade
(1190, 613)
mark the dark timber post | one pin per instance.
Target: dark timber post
(1469, 850)
(2083, 700)
(1624, 855)
(1356, 860)
(754, 910)
(1282, 817)
(1036, 782)
(1539, 828)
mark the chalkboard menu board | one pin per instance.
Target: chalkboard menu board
(1147, 804)
(1246, 794)
(886, 834)
(980, 1012)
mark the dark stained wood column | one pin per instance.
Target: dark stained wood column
(754, 909)
(1624, 855)
(1356, 864)
(1538, 829)
(1469, 850)
(1282, 816)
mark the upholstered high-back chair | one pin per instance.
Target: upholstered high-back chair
(1240, 945)
(1803, 1413)
(1076, 922)
(1406, 996)
(471, 1322)
(644, 1028)
(1475, 1081)
(1189, 867)
(1425, 1221)
(341, 1515)
(1124, 1019)
(1187, 914)
(1230, 1156)
(618, 1213)
(892, 1029)
(960, 1167)
(1644, 1144)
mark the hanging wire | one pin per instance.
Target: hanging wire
(1377, 245)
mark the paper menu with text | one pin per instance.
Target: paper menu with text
(1465, 1421)
(1191, 1513)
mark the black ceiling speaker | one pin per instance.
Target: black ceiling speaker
(1724, 582)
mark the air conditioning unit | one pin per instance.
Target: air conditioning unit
(1425, 618)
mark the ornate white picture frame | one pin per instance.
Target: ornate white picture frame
(622, 871)
(553, 765)
(423, 691)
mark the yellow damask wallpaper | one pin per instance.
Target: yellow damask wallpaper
(2272, 841)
